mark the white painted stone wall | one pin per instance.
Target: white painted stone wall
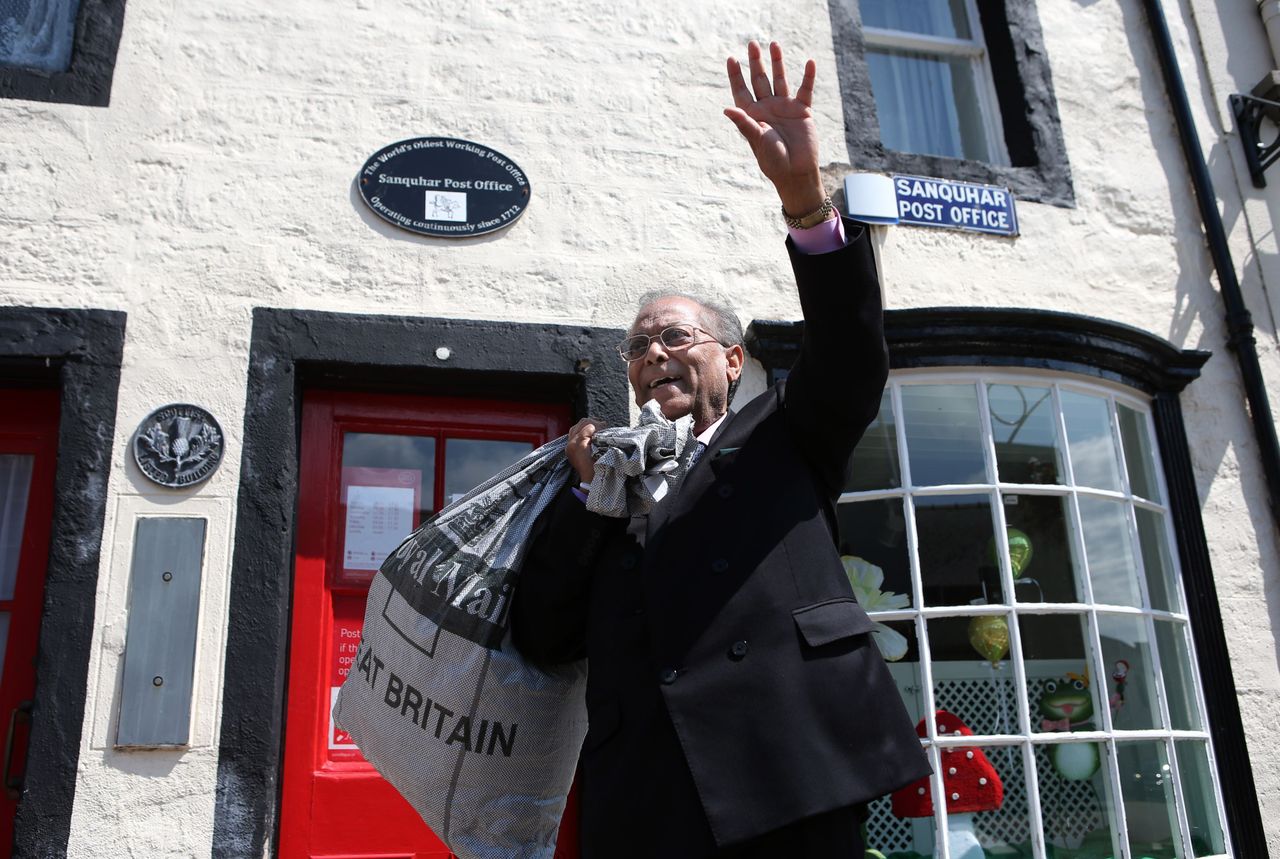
(221, 178)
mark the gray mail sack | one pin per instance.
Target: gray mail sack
(482, 744)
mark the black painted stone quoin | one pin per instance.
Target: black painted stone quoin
(1038, 170)
(77, 351)
(93, 62)
(1062, 342)
(293, 350)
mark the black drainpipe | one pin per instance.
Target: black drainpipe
(1244, 817)
(1239, 322)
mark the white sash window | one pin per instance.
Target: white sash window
(932, 80)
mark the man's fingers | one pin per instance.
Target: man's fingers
(779, 71)
(759, 80)
(738, 85)
(805, 93)
(584, 429)
(749, 127)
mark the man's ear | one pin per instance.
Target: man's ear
(735, 357)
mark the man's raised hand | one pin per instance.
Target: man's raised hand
(779, 127)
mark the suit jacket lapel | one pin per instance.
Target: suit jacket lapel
(698, 478)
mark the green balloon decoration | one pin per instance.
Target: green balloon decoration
(1076, 761)
(989, 635)
(1020, 550)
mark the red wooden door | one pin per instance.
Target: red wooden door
(28, 455)
(373, 467)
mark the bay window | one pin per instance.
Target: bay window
(1023, 526)
(1011, 531)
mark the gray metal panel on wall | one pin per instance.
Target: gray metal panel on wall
(160, 646)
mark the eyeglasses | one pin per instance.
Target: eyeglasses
(676, 337)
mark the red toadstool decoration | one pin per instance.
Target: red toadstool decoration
(970, 781)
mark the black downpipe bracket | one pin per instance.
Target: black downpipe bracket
(1244, 816)
(1239, 322)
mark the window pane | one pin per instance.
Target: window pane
(900, 837)
(888, 832)
(15, 483)
(971, 675)
(4, 640)
(873, 546)
(930, 17)
(928, 104)
(470, 462)
(1060, 693)
(1076, 799)
(1146, 784)
(875, 459)
(1093, 451)
(1129, 686)
(1110, 553)
(386, 492)
(899, 637)
(1139, 455)
(37, 34)
(1025, 431)
(1197, 796)
(1175, 666)
(944, 435)
(1002, 829)
(956, 540)
(1040, 546)
(1162, 585)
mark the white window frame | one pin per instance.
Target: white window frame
(1012, 608)
(975, 50)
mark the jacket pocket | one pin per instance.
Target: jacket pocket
(832, 620)
(603, 722)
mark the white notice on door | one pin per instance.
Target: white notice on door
(378, 519)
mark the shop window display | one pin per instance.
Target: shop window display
(1009, 535)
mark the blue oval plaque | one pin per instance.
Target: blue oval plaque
(441, 186)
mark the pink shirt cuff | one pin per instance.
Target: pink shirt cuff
(825, 237)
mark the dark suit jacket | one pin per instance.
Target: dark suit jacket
(722, 631)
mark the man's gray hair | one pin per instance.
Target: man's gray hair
(718, 319)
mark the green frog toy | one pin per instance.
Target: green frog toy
(1065, 705)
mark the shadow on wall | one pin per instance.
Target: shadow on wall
(1196, 297)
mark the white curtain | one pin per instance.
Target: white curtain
(930, 17)
(916, 104)
(37, 34)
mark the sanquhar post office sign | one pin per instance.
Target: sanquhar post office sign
(953, 205)
(441, 186)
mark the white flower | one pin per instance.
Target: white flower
(866, 579)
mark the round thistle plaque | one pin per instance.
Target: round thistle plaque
(178, 445)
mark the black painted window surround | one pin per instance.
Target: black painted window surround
(1038, 169)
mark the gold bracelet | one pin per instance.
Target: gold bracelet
(817, 216)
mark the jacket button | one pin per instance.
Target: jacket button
(719, 565)
(738, 650)
(724, 490)
(629, 561)
(667, 676)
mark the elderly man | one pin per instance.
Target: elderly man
(737, 704)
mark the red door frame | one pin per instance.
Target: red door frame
(326, 417)
(28, 425)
